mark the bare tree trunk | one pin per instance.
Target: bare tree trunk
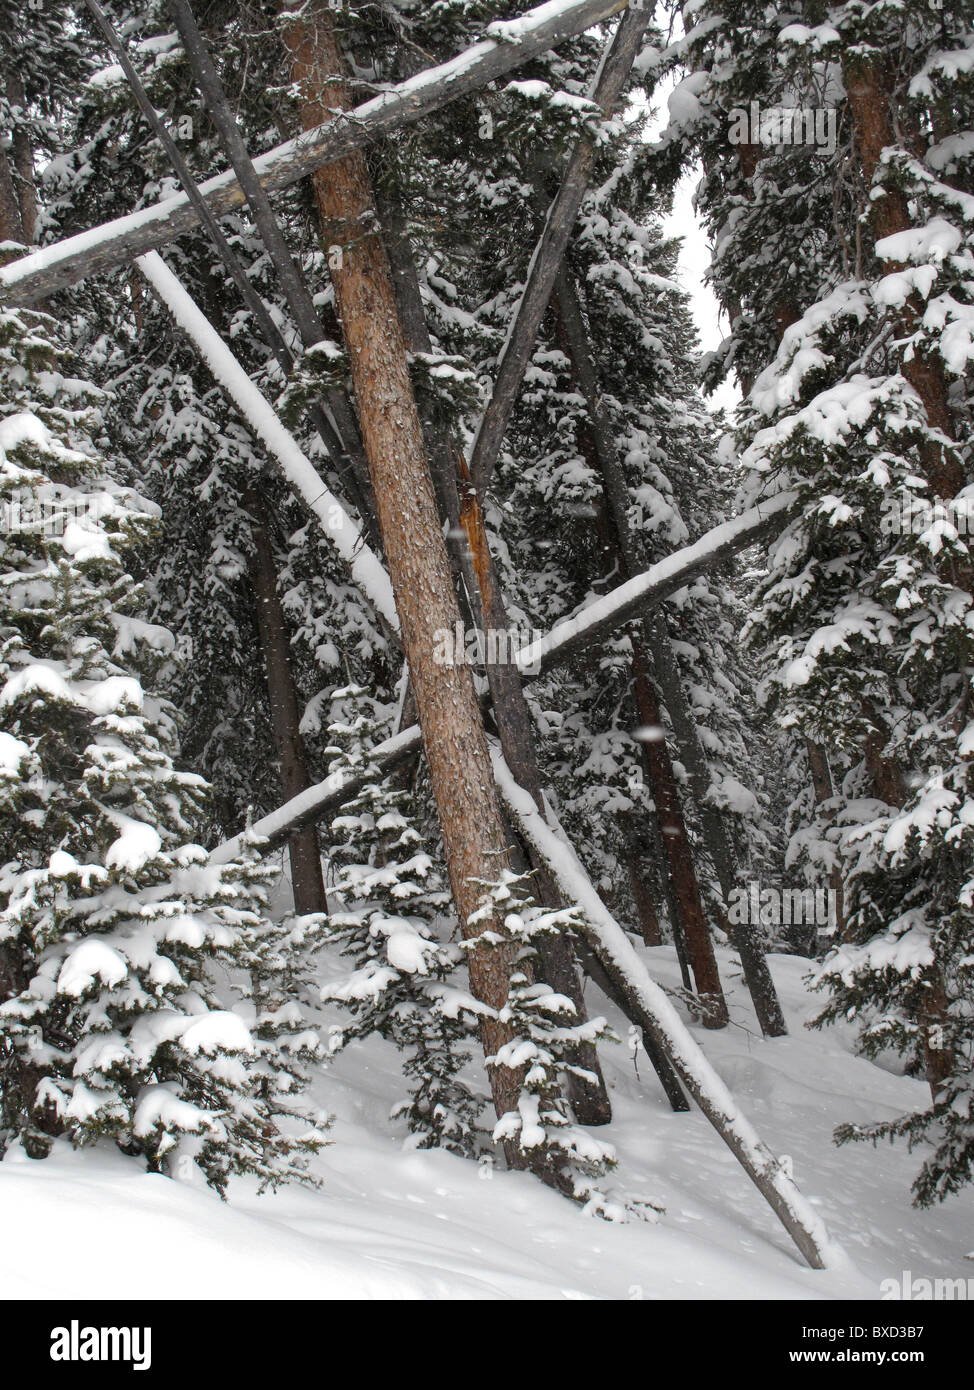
(676, 844)
(646, 913)
(465, 521)
(11, 222)
(303, 851)
(453, 735)
(23, 157)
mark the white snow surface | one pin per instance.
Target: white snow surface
(392, 1223)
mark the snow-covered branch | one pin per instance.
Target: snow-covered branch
(343, 532)
(506, 46)
(614, 610)
(661, 1021)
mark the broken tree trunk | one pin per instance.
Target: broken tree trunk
(449, 717)
(285, 716)
(549, 253)
(509, 44)
(617, 955)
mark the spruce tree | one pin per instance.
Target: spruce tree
(111, 918)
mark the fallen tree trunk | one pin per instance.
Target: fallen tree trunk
(659, 1018)
(508, 45)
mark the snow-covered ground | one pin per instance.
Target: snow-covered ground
(391, 1223)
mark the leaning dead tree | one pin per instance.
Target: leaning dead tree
(414, 595)
(566, 640)
(660, 1019)
(506, 46)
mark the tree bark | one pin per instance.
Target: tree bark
(449, 717)
(464, 520)
(676, 845)
(11, 222)
(285, 715)
(23, 157)
(867, 82)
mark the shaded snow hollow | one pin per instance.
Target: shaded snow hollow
(391, 1223)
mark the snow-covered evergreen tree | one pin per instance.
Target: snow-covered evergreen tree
(850, 270)
(393, 921)
(111, 918)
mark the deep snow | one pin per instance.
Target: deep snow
(391, 1223)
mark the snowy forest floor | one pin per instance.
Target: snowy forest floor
(392, 1223)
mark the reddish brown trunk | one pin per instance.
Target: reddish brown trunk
(676, 846)
(303, 851)
(23, 160)
(867, 82)
(938, 1060)
(415, 550)
(11, 223)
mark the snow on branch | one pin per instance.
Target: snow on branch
(644, 591)
(115, 243)
(659, 1018)
(343, 532)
